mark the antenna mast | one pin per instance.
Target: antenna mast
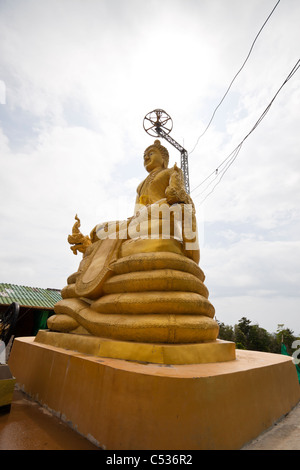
(158, 123)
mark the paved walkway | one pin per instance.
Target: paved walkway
(29, 426)
(284, 435)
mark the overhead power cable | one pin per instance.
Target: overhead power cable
(238, 72)
(220, 171)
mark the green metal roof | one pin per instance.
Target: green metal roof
(29, 296)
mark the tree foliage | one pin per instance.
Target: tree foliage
(253, 337)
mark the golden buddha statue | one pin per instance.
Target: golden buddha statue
(139, 279)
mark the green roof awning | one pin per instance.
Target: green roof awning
(35, 297)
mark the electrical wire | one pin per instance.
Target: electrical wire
(238, 72)
(228, 161)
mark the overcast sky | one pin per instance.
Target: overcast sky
(76, 80)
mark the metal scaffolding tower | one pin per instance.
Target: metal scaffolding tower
(158, 123)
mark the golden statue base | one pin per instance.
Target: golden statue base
(199, 353)
(121, 404)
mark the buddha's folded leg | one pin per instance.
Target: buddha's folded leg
(65, 319)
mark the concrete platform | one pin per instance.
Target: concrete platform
(29, 426)
(127, 405)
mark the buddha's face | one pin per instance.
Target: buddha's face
(153, 159)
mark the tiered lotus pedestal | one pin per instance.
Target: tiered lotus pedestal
(162, 400)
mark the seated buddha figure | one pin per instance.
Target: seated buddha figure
(139, 279)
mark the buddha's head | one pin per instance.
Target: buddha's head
(156, 156)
